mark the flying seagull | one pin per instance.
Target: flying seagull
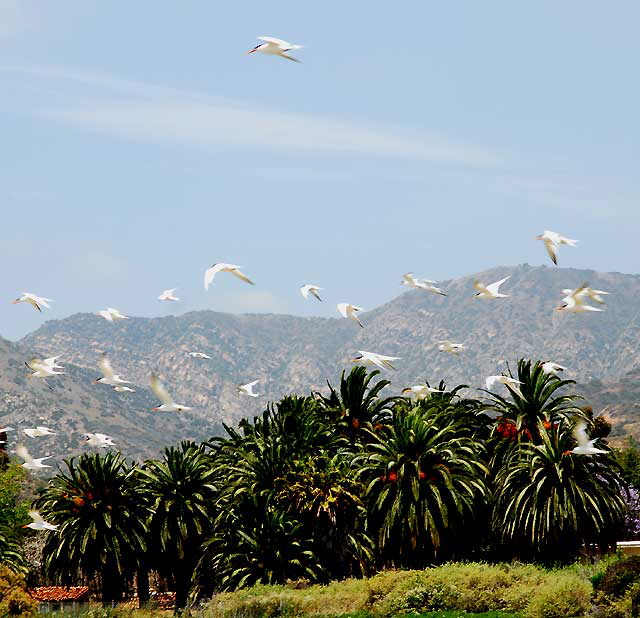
(31, 463)
(423, 284)
(100, 440)
(112, 314)
(379, 360)
(38, 523)
(307, 289)
(35, 301)
(247, 389)
(552, 241)
(450, 347)
(510, 383)
(168, 295)
(552, 369)
(108, 377)
(585, 290)
(211, 272)
(199, 355)
(275, 47)
(349, 311)
(168, 404)
(123, 389)
(574, 301)
(43, 368)
(421, 391)
(585, 446)
(491, 290)
(39, 431)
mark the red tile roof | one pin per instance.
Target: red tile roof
(59, 593)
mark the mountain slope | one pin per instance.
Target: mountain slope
(290, 353)
(74, 405)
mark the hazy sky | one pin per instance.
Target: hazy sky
(140, 144)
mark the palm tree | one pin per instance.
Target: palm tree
(323, 493)
(534, 401)
(10, 552)
(357, 404)
(101, 520)
(549, 501)
(252, 544)
(181, 496)
(425, 478)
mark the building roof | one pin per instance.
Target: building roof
(59, 593)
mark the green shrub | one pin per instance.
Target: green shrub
(619, 576)
(14, 598)
(567, 596)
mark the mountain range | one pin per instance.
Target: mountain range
(298, 354)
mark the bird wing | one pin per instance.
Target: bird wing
(36, 364)
(210, 273)
(314, 292)
(35, 516)
(580, 433)
(289, 57)
(242, 276)
(159, 390)
(551, 250)
(104, 364)
(481, 287)
(279, 42)
(342, 308)
(493, 287)
(250, 385)
(304, 290)
(21, 451)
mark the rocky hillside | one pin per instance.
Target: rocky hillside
(74, 405)
(298, 354)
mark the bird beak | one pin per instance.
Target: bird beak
(251, 50)
(155, 409)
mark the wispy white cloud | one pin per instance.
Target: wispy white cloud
(134, 109)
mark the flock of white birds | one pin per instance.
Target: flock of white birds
(574, 301)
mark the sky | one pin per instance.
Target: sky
(141, 144)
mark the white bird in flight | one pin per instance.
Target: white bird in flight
(123, 389)
(550, 368)
(350, 311)
(199, 355)
(307, 289)
(585, 446)
(31, 463)
(379, 360)
(421, 391)
(43, 368)
(552, 241)
(168, 404)
(168, 295)
(491, 290)
(39, 431)
(38, 523)
(35, 301)
(510, 383)
(211, 272)
(108, 377)
(450, 347)
(423, 284)
(276, 47)
(247, 389)
(99, 440)
(595, 295)
(574, 301)
(112, 314)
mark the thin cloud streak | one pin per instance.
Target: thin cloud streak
(138, 110)
(218, 125)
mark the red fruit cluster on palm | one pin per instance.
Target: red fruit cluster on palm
(507, 428)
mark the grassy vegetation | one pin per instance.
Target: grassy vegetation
(446, 591)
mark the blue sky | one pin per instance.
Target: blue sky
(140, 144)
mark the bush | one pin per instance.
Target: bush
(14, 598)
(567, 597)
(619, 577)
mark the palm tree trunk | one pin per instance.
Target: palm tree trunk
(142, 580)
